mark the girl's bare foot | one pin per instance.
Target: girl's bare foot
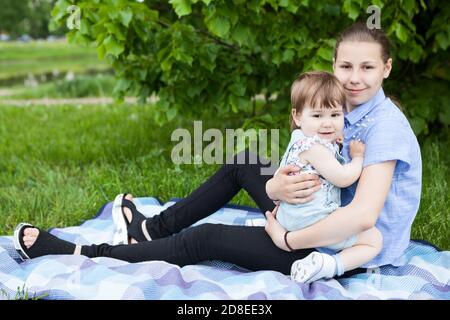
(29, 236)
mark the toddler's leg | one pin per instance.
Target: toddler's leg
(321, 265)
(368, 244)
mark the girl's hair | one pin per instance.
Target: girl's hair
(360, 32)
(316, 89)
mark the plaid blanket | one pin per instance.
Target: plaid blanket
(425, 273)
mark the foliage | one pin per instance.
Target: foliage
(26, 17)
(425, 102)
(220, 54)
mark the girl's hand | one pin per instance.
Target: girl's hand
(293, 189)
(275, 230)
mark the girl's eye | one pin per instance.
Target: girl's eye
(345, 67)
(316, 115)
(368, 67)
(336, 115)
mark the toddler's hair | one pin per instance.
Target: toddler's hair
(316, 89)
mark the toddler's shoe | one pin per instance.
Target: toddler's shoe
(309, 269)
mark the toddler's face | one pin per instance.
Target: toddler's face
(327, 123)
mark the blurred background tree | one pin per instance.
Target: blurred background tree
(26, 17)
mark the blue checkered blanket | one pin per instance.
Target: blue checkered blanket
(425, 273)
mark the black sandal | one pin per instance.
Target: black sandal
(125, 230)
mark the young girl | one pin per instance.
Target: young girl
(317, 121)
(386, 195)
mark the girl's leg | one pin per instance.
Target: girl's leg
(207, 242)
(193, 245)
(368, 245)
(212, 195)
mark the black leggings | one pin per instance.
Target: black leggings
(248, 247)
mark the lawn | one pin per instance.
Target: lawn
(40, 57)
(59, 165)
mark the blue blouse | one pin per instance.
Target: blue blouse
(388, 136)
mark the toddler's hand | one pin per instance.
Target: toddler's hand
(357, 149)
(340, 138)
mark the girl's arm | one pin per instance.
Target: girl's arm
(327, 165)
(361, 214)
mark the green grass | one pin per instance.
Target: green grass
(59, 165)
(38, 57)
(22, 51)
(433, 220)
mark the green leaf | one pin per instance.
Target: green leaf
(101, 51)
(171, 113)
(122, 85)
(326, 53)
(291, 6)
(443, 40)
(218, 25)
(60, 9)
(113, 13)
(288, 55)
(237, 103)
(401, 32)
(352, 9)
(85, 27)
(166, 64)
(126, 16)
(241, 34)
(113, 47)
(182, 56)
(416, 53)
(409, 6)
(207, 56)
(115, 30)
(181, 7)
(238, 87)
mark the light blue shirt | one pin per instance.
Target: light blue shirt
(388, 136)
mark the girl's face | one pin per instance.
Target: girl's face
(324, 122)
(361, 70)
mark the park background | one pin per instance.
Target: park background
(88, 113)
